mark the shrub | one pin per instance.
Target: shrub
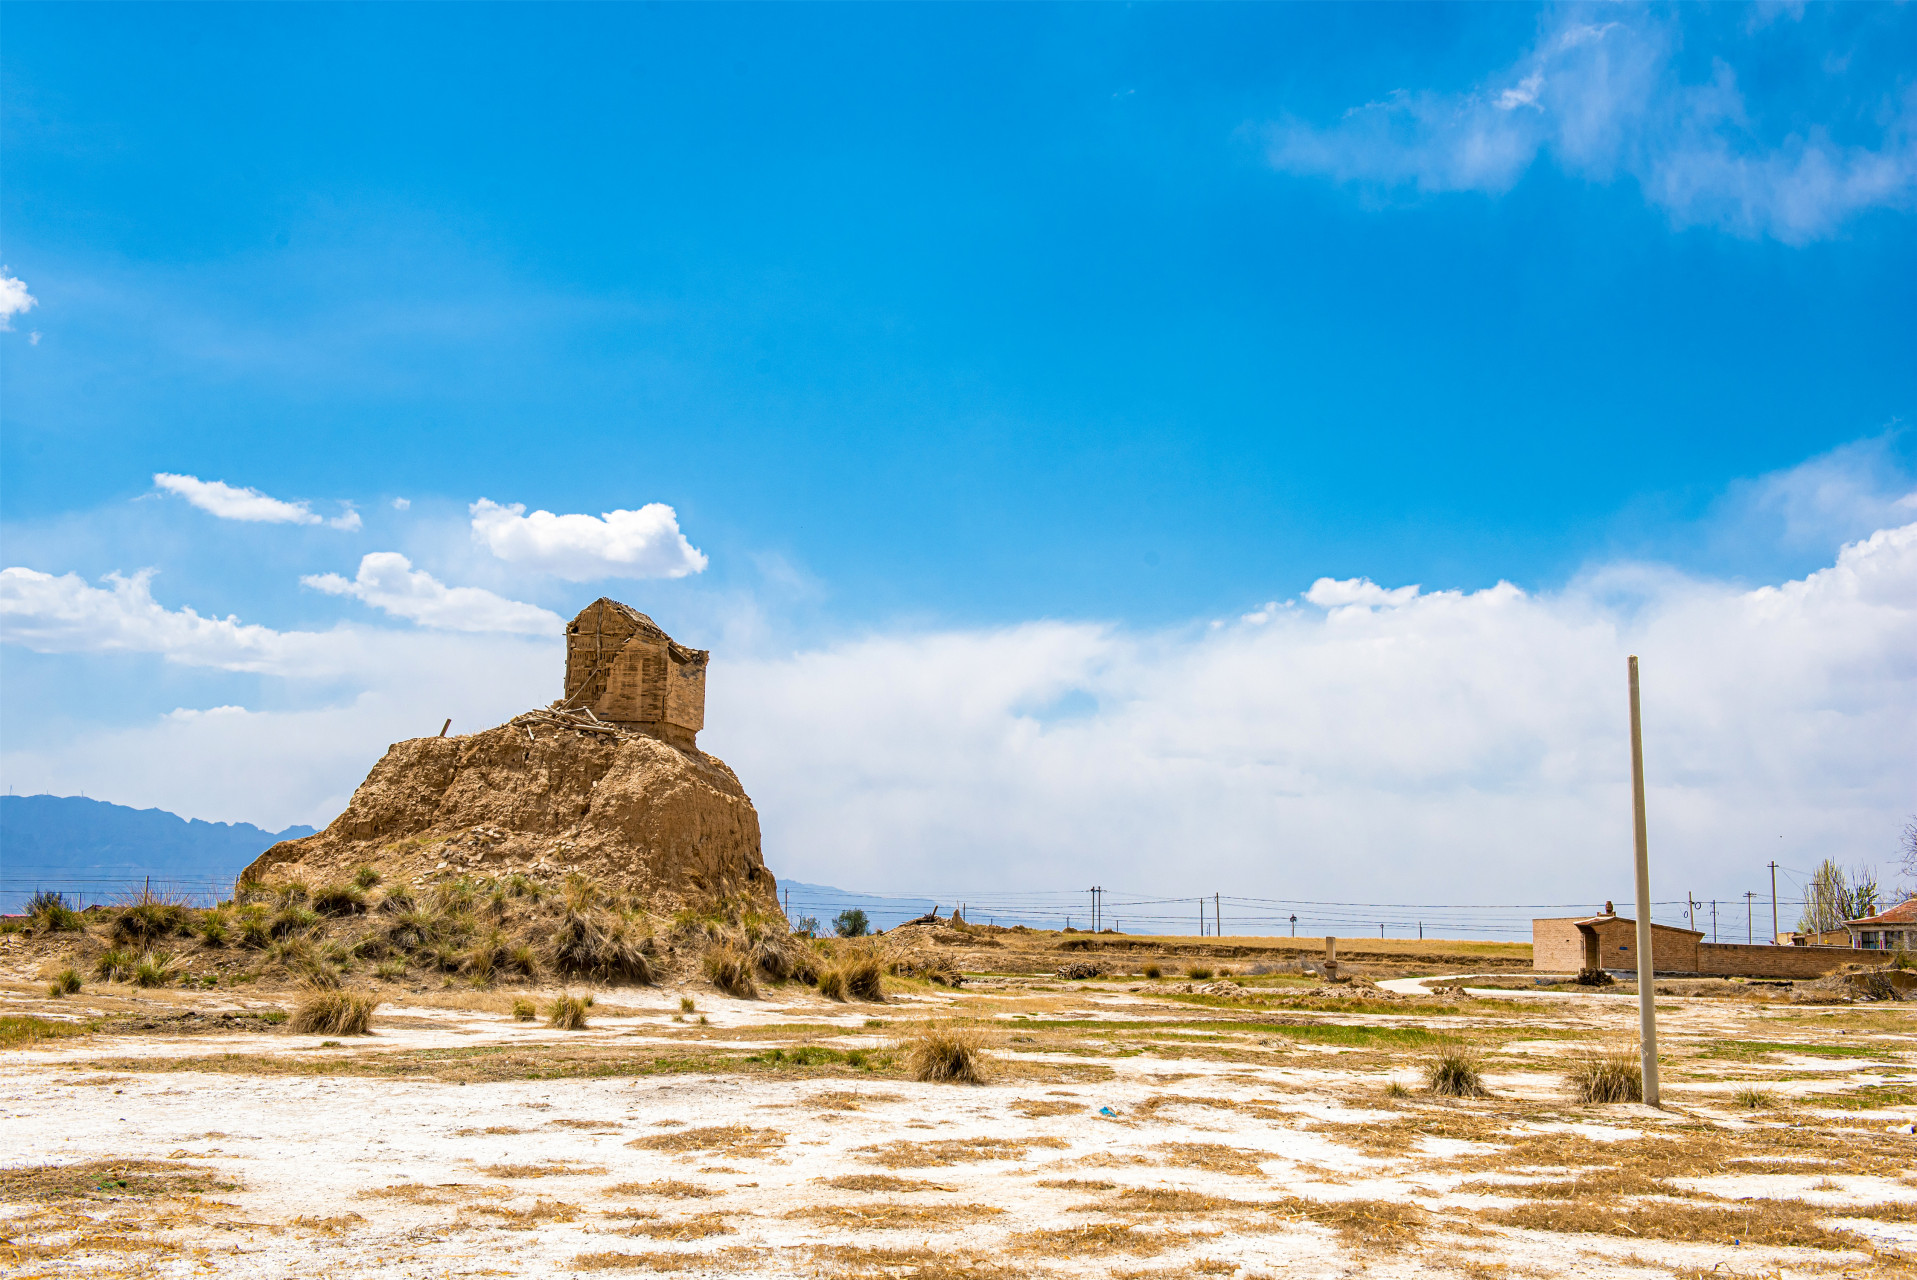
(1198, 973)
(114, 965)
(568, 1012)
(589, 944)
(728, 969)
(65, 983)
(335, 1013)
(686, 1005)
(863, 980)
(808, 926)
(1616, 1076)
(50, 913)
(944, 1053)
(365, 876)
(523, 1010)
(832, 984)
(1396, 1090)
(398, 898)
(155, 969)
(339, 900)
(1454, 1073)
(851, 923)
(212, 928)
(1154, 972)
(148, 918)
(410, 928)
(291, 919)
(254, 930)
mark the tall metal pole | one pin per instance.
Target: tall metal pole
(1646, 987)
(1773, 903)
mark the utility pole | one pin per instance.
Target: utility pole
(1094, 894)
(1750, 920)
(1201, 917)
(1713, 920)
(1773, 903)
(1294, 924)
(1217, 921)
(1690, 908)
(1646, 986)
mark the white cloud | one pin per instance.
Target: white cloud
(14, 301)
(1453, 747)
(1358, 593)
(387, 580)
(401, 504)
(1606, 99)
(348, 519)
(619, 544)
(66, 614)
(230, 503)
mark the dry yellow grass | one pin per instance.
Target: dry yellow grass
(1096, 1239)
(880, 1182)
(890, 1215)
(1771, 1222)
(1033, 1108)
(858, 1262)
(911, 1155)
(334, 1013)
(1214, 1157)
(728, 1139)
(847, 1100)
(697, 1227)
(546, 1169)
(641, 1262)
(666, 1187)
(945, 1053)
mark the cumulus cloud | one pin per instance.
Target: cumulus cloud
(1388, 744)
(230, 503)
(388, 581)
(1602, 99)
(618, 544)
(67, 614)
(15, 301)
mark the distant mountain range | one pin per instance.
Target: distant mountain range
(90, 848)
(99, 851)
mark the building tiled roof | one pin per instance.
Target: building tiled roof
(1904, 912)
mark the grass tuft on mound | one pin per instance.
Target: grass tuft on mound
(1616, 1076)
(335, 1013)
(945, 1054)
(1455, 1073)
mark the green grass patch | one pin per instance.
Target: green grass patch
(1871, 1097)
(22, 1029)
(1756, 1048)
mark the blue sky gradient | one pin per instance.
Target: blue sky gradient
(936, 318)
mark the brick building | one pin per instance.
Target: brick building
(1890, 930)
(623, 668)
(1609, 941)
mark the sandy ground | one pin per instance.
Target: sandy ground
(1122, 1131)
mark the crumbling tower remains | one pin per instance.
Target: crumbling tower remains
(627, 671)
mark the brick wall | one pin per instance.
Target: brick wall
(1741, 960)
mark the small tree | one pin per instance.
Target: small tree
(808, 925)
(850, 923)
(1907, 856)
(1832, 897)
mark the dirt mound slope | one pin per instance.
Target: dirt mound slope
(668, 826)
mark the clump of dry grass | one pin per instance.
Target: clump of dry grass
(863, 978)
(728, 1139)
(832, 983)
(1614, 1076)
(667, 1187)
(524, 1010)
(1198, 973)
(339, 900)
(946, 1053)
(730, 970)
(891, 1215)
(1749, 1098)
(1033, 1108)
(697, 1227)
(64, 983)
(918, 1155)
(155, 969)
(1215, 1157)
(1455, 1073)
(881, 1182)
(335, 1013)
(113, 965)
(545, 1169)
(1154, 972)
(568, 1012)
(589, 943)
(148, 917)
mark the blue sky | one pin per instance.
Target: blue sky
(936, 320)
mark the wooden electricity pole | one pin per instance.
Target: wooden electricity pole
(1646, 986)
(1773, 903)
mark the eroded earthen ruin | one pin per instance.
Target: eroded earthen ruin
(607, 781)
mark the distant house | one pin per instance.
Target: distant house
(1568, 944)
(1887, 930)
